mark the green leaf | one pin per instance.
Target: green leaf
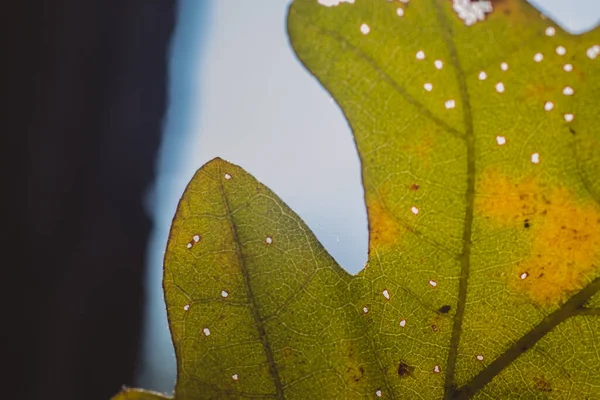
(483, 199)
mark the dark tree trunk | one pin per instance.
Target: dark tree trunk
(87, 92)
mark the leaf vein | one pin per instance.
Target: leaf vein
(389, 80)
(254, 306)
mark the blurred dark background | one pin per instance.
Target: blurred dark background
(86, 85)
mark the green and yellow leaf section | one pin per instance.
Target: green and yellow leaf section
(530, 234)
(258, 309)
(229, 231)
(575, 306)
(256, 306)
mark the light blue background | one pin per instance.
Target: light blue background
(238, 92)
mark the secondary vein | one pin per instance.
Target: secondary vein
(572, 307)
(383, 75)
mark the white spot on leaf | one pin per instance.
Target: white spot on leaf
(224, 293)
(402, 323)
(535, 158)
(428, 86)
(480, 357)
(365, 29)
(227, 176)
(482, 76)
(524, 275)
(432, 283)
(189, 245)
(450, 104)
(269, 240)
(437, 369)
(186, 307)
(568, 91)
(568, 67)
(386, 294)
(365, 309)
(569, 117)
(414, 210)
(593, 52)
(561, 51)
(548, 106)
(400, 12)
(196, 238)
(438, 64)
(420, 55)
(504, 66)
(550, 31)
(500, 87)
(206, 331)
(378, 393)
(471, 12)
(332, 3)
(235, 377)
(501, 140)
(538, 57)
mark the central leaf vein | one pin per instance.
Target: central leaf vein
(260, 326)
(465, 256)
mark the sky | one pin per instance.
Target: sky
(238, 92)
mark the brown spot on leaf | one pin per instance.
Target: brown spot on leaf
(542, 384)
(405, 370)
(287, 352)
(414, 187)
(444, 309)
(513, 10)
(352, 369)
(438, 322)
(354, 372)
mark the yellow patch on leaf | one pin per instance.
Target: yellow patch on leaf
(515, 11)
(383, 229)
(539, 91)
(421, 149)
(564, 233)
